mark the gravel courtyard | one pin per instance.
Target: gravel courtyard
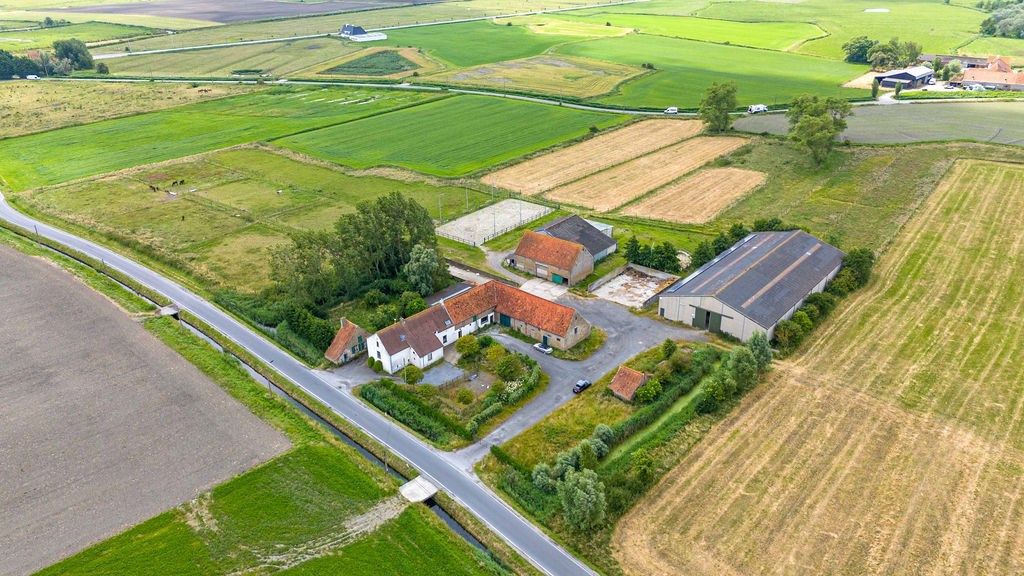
(102, 425)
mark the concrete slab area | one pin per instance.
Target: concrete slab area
(491, 221)
(544, 288)
(101, 425)
(632, 288)
(418, 489)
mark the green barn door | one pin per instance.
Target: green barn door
(505, 321)
(545, 340)
(557, 279)
(716, 322)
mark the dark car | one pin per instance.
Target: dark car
(581, 386)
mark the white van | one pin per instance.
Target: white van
(757, 108)
(31, 77)
(672, 110)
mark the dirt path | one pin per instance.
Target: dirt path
(894, 443)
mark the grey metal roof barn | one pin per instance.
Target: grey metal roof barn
(762, 278)
(576, 229)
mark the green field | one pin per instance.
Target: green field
(87, 32)
(278, 59)
(110, 145)
(769, 35)
(245, 202)
(476, 43)
(318, 508)
(685, 68)
(450, 137)
(988, 46)
(380, 63)
(936, 26)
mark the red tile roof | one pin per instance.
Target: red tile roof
(626, 382)
(418, 331)
(342, 340)
(549, 250)
(513, 302)
(993, 76)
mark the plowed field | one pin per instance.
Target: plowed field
(698, 198)
(545, 172)
(893, 443)
(611, 188)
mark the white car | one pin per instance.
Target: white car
(31, 77)
(672, 110)
(757, 108)
(543, 348)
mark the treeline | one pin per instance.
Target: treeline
(1007, 21)
(855, 273)
(708, 250)
(881, 55)
(662, 256)
(11, 65)
(67, 56)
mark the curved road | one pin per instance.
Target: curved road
(463, 486)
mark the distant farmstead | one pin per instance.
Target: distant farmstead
(754, 285)
(996, 75)
(914, 77)
(359, 34)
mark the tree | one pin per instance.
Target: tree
(668, 348)
(604, 433)
(761, 350)
(875, 87)
(744, 367)
(721, 243)
(468, 346)
(583, 501)
(378, 238)
(642, 465)
(803, 320)
(860, 262)
(102, 68)
(719, 100)
(816, 132)
(704, 253)
(857, 48)
(712, 391)
(11, 65)
(588, 456)
(954, 67)
(738, 232)
(542, 478)
(385, 315)
(509, 368)
(412, 374)
(823, 301)
(899, 90)
(305, 269)
(632, 249)
(936, 63)
(788, 334)
(74, 51)
(410, 303)
(421, 268)
(665, 257)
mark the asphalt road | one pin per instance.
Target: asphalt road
(464, 487)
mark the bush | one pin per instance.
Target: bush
(761, 350)
(468, 346)
(411, 411)
(410, 303)
(804, 321)
(374, 298)
(486, 341)
(668, 348)
(744, 367)
(102, 68)
(788, 334)
(505, 458)
(317, 331)
(464, 396)
(412, 374)
(812, 312)
(648, 392)
(823, 301)
(604, 433)
(509, 368)
(542, 478)
(483, 416)
(844, 283)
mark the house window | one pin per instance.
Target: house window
(576, 330)
(444, 339)
(378, 354)
(429, 356)
(353, 349)
(662, 312)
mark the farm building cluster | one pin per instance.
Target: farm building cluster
(565, 250)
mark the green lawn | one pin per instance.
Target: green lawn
(451, 137)
(936, 26)
(770, 35)
(87, 32)
(110, 145)
(988, 46)
(474, 43)
(245, 203)
(686, 68)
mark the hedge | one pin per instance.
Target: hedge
(411, 411)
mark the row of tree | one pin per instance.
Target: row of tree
(67, 56)
(662, 256)
(1006, 21)
(881, 55)
(709, 249)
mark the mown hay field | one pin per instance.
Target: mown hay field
(29, 106)
(894, 443)
(616, 186)
(549, 74)
(229, 211)
(545, 172)
(450, 137)
(699, 198)
(102, 147)
(86, 32)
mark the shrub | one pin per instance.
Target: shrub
(844, 283)
(761, 350)
(486, 341)
(464, 396)
(803, 320)
(588, 456)
(604, 433)
(468, 346)
(410, 303)
(507, 459)
(788, 334)
(412, 374)
(542, 478)
(509, 368)
(483, 416)
(493, 355)
(823, 301)
(812, 312)
(648, 392)
(860, 262)
(668, 348)
(102, 68)
(411, 411)
(598, 446)
(744, 367)
(374, 298)
(317, 331)
(642, 465)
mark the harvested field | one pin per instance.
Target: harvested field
(548, 74)
(578, 161)
(894, 443)
(699, 198)
(612, 188)
(103, 425)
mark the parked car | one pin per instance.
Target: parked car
(541, 347)
(580, 386)
(931, 81)
(672, 110)
(757, 108)
(31, 77)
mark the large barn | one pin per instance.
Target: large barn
(753, 285)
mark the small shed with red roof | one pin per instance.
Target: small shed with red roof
(626, 382)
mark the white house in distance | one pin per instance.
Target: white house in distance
(754, 285)
(358, 34)
(421, 338)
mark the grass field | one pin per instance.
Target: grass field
(144, 21)
(488, 131)
(769, 35)
(562, 166)
(316, 508)
(87, 32)
(875, 451)
(116, 144)
(31, 106)
(278, 59)
(616, 186)
(988, 46)
(936, 26)
(475, 43)
(699, 198)
(1000, 122)
(682, 75)
(245, 202)
(547, 74)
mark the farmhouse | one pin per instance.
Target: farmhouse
(754, 285)
(594, 236)
(626, 382)
(551, 258)
(359, 34)
(996, 75)
(913, 77)
(945, 59)
(420, 339)
(348, 343)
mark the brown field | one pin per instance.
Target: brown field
(32, 106)
(893, 443)
(545, 172)
(616, 186)
(699, 198)
(549, 74)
